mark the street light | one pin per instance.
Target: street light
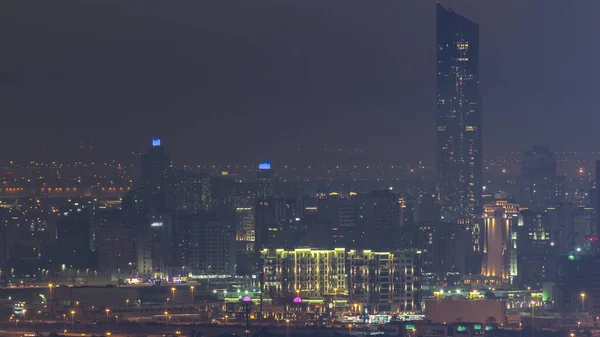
(287, 329)
(173, 290)
(77, 304)
(226, 323)
(107, 310)
(126, 303)
(166, 318)
(582, 302)
(50, 285)
(73, 319)
(193, 311)
(532, 318)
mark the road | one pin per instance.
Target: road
(137, 330)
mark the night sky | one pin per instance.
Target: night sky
(240, 81)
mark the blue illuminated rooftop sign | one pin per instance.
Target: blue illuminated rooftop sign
(155, 141)
(266, 165)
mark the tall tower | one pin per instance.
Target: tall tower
(154, 174)
(264, 181)
(459, 118)
(264, 210)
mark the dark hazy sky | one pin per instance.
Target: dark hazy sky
(236, 81)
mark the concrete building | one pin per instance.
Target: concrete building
(478, 311)
(535, 250)
(444, 247)
(211, 244)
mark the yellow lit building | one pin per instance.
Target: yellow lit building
(380, 281)
(499, 220)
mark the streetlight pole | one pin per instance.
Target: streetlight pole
(173, 290)
(582, 302)
(287, 328)
(50, 297)
(73, 319)
(166, 318)
(193, 310)
(532, 319)
(107, 310)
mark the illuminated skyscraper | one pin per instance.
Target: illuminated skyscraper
(265, 210)
(264, 181)
(459, 117)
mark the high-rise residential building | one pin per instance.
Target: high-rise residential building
(264, 181)
(210, 243)
(265, 211)
(377, 280)
(154, 175)
(459, 117)
(572, 227)
(114, 243)
(427, 209)
(500, 220)
(538, 183)
(379, 213)
(578, 274)
(76, 235)
(444, 247)
(159, 246)
(535, 250)
(244, 226)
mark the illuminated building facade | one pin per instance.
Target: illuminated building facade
(381, 281)
(459, 117)
(500, 220)
(245, 227)
(385, 281)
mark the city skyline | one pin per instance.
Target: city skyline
(316, 167)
